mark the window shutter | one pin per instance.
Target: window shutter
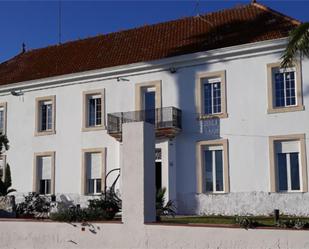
(287, 146)
(44, 167)
(94, 161)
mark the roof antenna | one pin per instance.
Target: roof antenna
(23, 49)
(59, 21)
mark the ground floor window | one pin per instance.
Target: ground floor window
(93, 171)
(44, 173)
(212, 166)
(288, 167)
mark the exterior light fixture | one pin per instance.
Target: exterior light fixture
(173, 70)
(17, 93)
(122, 79)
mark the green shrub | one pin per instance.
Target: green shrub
(162, 208)
(246, 222)
(33, 204)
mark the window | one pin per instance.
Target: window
(285, 93)
(94, 110)
(288, 163)
(2, 167)
(44, 173)
(45, 121)
(148, 95)
(93, 171)
(2, 118)
(212, 166)
(211, 95)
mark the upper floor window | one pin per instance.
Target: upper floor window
(93, 110)
(212, 160)
(285, 93)
(211, 95)
(288, 163)
(45, 117)
(2, 118)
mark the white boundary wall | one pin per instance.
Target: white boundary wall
(45, 235)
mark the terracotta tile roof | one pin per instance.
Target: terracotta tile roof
(239, 25)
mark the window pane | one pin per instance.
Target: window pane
(217, 97)
(90, 186)
(1, 120)
(295, 181)
(91, 112)
(290, 88)
(98, 111)
(43, 117)
(98, 186)
(279, 90)
(49, 109)
(42, 187)
(282, 172)
(208, 171)
(207, 99)
(219, 170)
(47, 186)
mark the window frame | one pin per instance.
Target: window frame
(4, 106)
(3, 157)
(84, 170)
(274, 181)
(199, 94)
(271, 68)
(200, 148)
(38, 131)
(85, 124)
(139, 89)
(36, 180)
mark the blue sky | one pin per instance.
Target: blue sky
(36, 22)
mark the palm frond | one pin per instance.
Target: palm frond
(298, 44)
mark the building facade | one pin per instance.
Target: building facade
(231, 125)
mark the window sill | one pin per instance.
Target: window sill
(213, 193)
(95, 128)
(212, 116)
(286, 109)
(44, 133)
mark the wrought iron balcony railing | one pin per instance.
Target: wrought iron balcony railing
(167, 120)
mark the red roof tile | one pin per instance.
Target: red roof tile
(239, 25)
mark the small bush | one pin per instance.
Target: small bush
(33, 204)
(246, 222)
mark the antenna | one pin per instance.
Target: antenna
(59, 21)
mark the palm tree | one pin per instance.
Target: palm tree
(298, 45)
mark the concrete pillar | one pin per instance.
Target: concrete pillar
(138, 173)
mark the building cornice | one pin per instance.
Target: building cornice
(182, 61)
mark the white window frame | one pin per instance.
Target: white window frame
(272, 68)
(36, 178)
(212, 81)
(201, 146)
(289, 180)
(274, 181)
(38, 116)
(199, 94)
(84, 179)
(86, 96)
(287, 70)
(213, 150)
(4, 107)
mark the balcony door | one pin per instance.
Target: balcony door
(149, 104)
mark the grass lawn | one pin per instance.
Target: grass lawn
(266, 221)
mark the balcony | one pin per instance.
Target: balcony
(167, 121)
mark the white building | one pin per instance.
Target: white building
(231, 125)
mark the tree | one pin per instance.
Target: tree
(4, 143)
(298, 44)
(7, 183)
